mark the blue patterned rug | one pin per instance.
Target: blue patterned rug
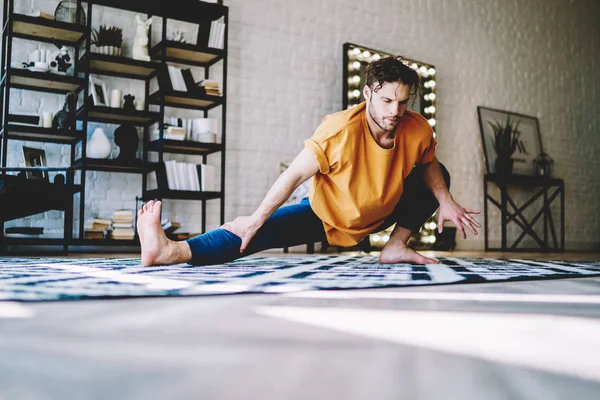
(37, 279)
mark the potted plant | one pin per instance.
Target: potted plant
(506, 140)
(108, 40)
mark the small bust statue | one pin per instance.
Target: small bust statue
(126, 137)
(64, 120)
(129, 104)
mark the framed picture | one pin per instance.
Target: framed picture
(99, 92)
(529, 144)
(35, 158)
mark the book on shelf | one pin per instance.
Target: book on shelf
(176, 175)
(216, 39)
(93, 235)
(40, 14)
(211, 87)
(170, 226)
(176, 77)
(179, 236)
(21, 236)
(170, 132)
(188, 79)
(25, 230)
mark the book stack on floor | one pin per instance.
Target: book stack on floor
(23, 232)
(96, 228)
(122, 225)
(211, 87)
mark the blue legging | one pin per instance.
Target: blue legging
(298, 224)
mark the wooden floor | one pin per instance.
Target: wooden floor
(521, 340)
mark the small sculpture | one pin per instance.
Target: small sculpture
(59, 179)
(64, 120)
(140, 42)
(129, 104)
(126, 137)
(61, 61)
(178, 36)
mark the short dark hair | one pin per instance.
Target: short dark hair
(392, 69)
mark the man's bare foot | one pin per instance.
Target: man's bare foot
(157, 249)
(400, 254)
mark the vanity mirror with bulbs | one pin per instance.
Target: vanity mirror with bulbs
(356, 59)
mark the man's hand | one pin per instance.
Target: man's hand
(244, 227)
(452, 211)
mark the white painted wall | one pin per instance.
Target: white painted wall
(285, 73)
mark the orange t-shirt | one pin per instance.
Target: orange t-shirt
(359, 182)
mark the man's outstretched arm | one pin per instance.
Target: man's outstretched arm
(302, 168)
(449, 209)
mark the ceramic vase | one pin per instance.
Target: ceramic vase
(98, 145)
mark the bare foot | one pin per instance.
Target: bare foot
(400, 254)
(157, 249)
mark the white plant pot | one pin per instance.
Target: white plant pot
(108, 50)
(98, 146)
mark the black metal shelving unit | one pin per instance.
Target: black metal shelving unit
(79, 37)
(200, 56)
(24, 197)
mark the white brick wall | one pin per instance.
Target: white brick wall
(285, 68)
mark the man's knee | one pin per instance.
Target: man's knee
(446, 175)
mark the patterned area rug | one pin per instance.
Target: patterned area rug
(37, 279)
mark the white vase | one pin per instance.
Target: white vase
(98, 146)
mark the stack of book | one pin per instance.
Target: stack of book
(216, 38)
(211, 87)
(170, 132)
(23, 232)
(96, 228)
(187, 176)
(122, 225)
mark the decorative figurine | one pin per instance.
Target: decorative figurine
(59, 179)
(126, 137)
(64, 120)
(178, 36)
(61, 61)
(129, 104)
(140, 42)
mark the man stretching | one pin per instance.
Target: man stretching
(373, 165)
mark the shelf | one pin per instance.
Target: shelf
(46, 30)
(21, 198)
(180, 195)
(111, 115)
(185, 147)
(105, 242)
(39, 134)
(40, 241)
(105, 165)
(44, 81)
(118, 66)
(181, 10)
(184, 53)
(186, 100)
